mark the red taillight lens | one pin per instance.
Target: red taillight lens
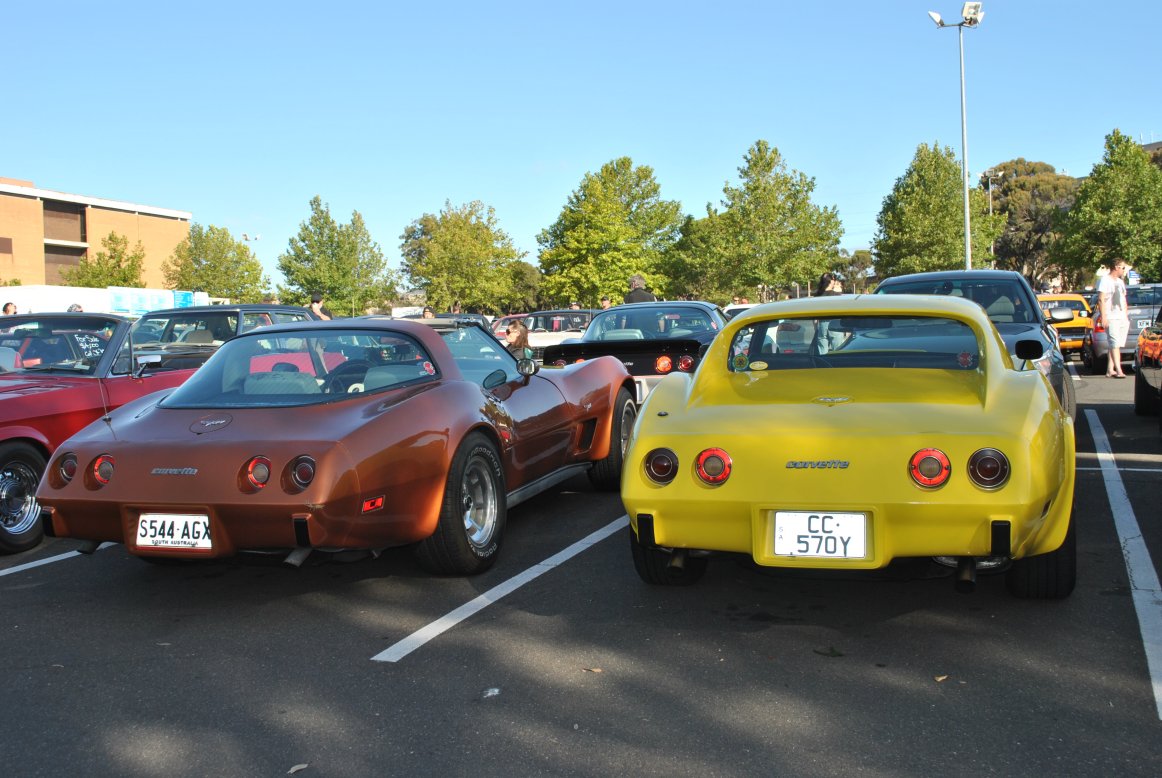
(930, 468)
(103, 469)
(258, 472)
(661, 465)
(713, 466)
(663, 364)
(67, 467)
(685, 363)
(988, 468)
(302, 472)
(578, 361)
(560, 363)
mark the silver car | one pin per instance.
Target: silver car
(1142, 301)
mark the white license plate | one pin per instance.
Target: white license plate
(821, 534)
(1144, 323)
(174, 530)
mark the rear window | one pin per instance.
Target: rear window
(862, 341)
(72, 345)
(1003, 300)
(306, 368)
(652, 323)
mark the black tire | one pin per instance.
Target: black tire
(606, 473)
(21, 467)
(468, 535)
(1145, 398)
(653, 565)
(1049, 576)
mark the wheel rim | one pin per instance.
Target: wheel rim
(478, 503)
(19, 510)
(628, 416)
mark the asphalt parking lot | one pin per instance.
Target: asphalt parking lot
(566, 664)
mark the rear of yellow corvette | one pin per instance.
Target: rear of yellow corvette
(852, 466)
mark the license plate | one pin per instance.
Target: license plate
(174, 530)
(1143, 323)
(821, 534)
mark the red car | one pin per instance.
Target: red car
(59, 372)
(352, 434)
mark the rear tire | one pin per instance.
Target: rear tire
(653, 565)
(21, 467)
(606, 473)
(1145, 398)
(468, 535)
(1049, 576)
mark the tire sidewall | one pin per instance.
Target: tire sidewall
(478, 448)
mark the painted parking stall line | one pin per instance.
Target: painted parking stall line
(454, 617)
(47, 561)
(1144, 586)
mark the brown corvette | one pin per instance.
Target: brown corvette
(349, 434)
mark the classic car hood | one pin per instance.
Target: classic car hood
(24, 384)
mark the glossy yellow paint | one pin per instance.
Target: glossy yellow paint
(859, 427)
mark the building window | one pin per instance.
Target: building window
(58, 259)
(64, 221)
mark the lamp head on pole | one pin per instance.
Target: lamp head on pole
(972, 14)
(936, 18)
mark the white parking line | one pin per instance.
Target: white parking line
(46, 561)
(454, 617)
(1143, 577)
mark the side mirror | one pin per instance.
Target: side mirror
(527, 367)
(145, 361)
(1030, 349)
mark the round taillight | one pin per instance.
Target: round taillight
(578, 361)
(661, 465)
(930, 468)
(103, 469)
(258, 472)
(303, 471)
(988, 468)
(713, 466)
(67, 467)
(663, 364)
(685, 363)
(560, 363)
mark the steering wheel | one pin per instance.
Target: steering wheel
(339, 380)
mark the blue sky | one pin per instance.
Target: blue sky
(242, 112)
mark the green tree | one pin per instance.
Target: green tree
(211, 261)
(772, 233)
(921, 223)
(460, 255)
(1117, 213)
(339, 260)
(853, 267)
(1032, 196)
(523, 292)
(115, 265)
(696, 264)
(615, 224)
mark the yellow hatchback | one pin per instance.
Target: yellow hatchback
(1070, 333)
(845, 432)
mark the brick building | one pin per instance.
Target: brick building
(43, 232)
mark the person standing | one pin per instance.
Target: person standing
(637, 290)
(9, 309)
(1112, 303)
(319, 309)
(828, 285)
(516, 337)
(605, 302)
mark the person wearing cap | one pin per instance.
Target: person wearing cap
(428, 312)
(605, 304)
(319, 309)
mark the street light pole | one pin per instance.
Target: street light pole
(990, 174)
(972, 15)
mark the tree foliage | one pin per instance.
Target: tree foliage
(460, 255)
(921, 223)
(615, 224)
(523, 292)
(853, 267)
(1117, 213)
(341, 261)
(211, 261)
(1032, 196)
(115, 265)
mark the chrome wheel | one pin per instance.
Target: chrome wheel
(478, 502)
(19, 510)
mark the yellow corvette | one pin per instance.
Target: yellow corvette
(844, 432)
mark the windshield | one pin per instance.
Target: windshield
(651, 323)
(864, 341)
(1002, 299)
(558, 321)
(63, 344)
(1076, 305)
(186, 328)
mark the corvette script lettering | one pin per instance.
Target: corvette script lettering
(174, 471)
(823, 464)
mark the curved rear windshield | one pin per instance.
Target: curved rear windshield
(303, 368)
(1003, 300)
(855, 341)
(650, 323)
(1077, 306)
